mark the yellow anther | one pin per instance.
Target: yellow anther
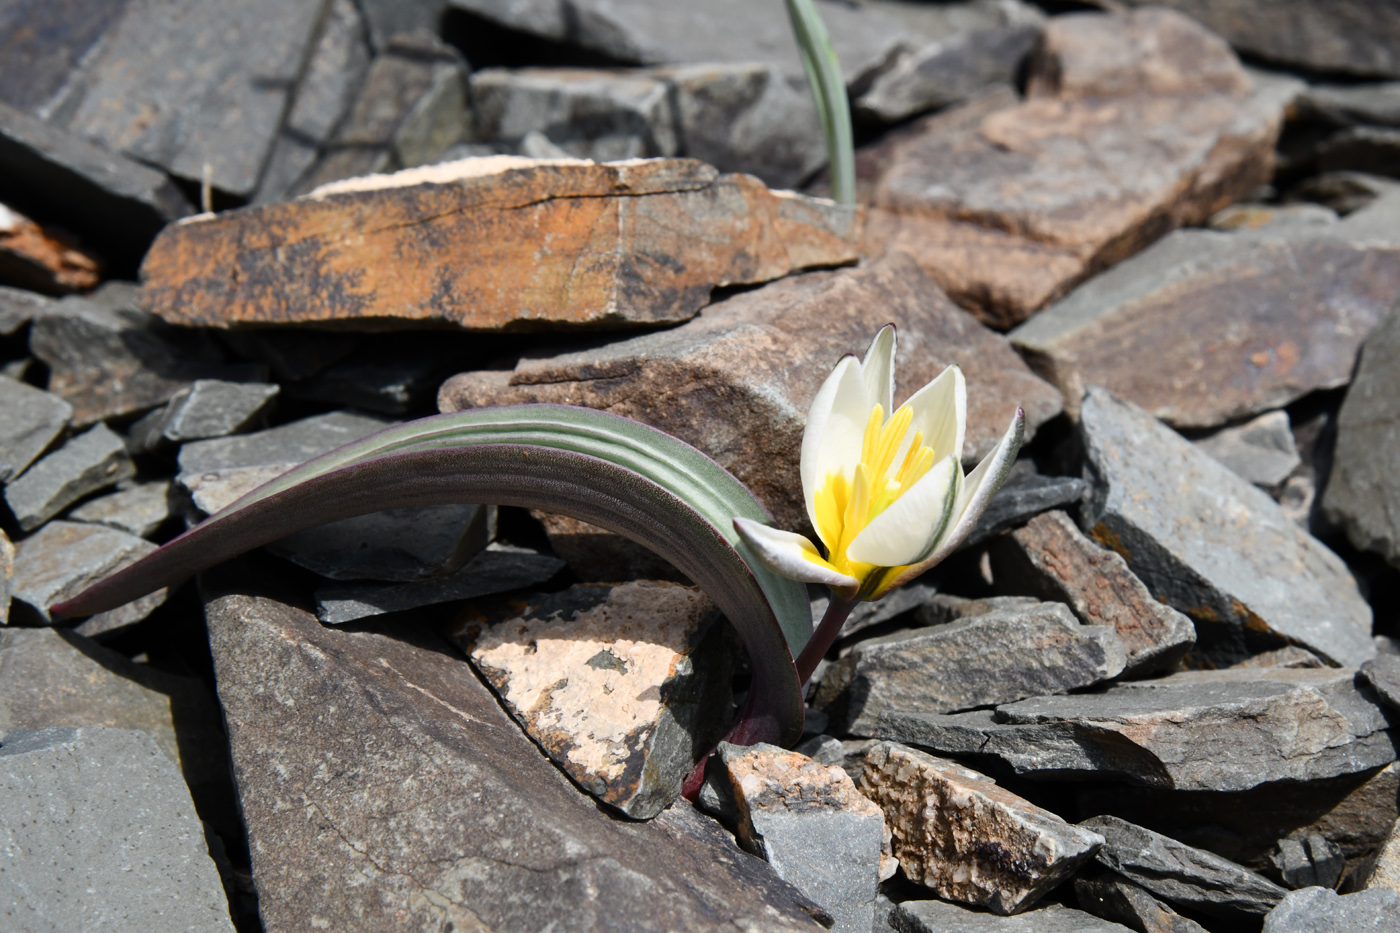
(872, 433)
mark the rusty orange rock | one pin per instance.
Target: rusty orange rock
(41, 259)
(489, 244)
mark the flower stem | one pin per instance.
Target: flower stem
(820, 642)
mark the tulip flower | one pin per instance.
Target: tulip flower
(884, 486)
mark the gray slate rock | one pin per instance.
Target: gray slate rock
(1363, 492)
(1023, 498)
(427, 797)
(865, 615)
(1280, 725)
(108, 358)
(392, 377)
(64, 558)
(959, 834)
(1318, 910)
(494, 570)
(208, 408)
(1181, 874)
(1113, 897)
(397, 545)
(53, 677)
(1261, 450)
(139, 509)
(810, 823)
(1383, 674)
(1312, 861)
(334, 73)
(590, 114)
(93, 460)
(1213, 546)
(1343, 192)
(996, 657)
(118, 203)
(18, 306)
(100, 832)
(192, 83)
(947, 72)
(219, 470)
(410, 109)
(1369, 149)
(1352, 104)
(1051, 559)
(942, 917)
(30, 420)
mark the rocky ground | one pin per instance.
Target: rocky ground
(1154, 691)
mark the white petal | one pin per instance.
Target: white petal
(909, 528)
(878, 369)
(940, 411)
(786, 553)
(831, 442)
(979, 487)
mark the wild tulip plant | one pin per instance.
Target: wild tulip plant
(884, 489)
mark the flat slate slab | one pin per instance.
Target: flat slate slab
(63, 558)
(92, 461)
(30, 420)
(420, 802)
(1240, 323)
(99, 831)
(737, 381)
(1198, 730)
(1133, 124)
(1213, 546)
(942, 917)
(1319, 910)
(1363, 491)
(553, 243)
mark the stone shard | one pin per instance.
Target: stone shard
(1320, 910)
(114, 200)
(1022, 498)
(18, 307)
(1309, 862)
(1363, 492)
(411, 108)
(109, 359)
(42, 259)
(623, 687)
(7, 572)
(1241, 322)
(1261, 450)
(1383, 674)
(30, 420)
(624, 247)
(1351, 104)
(494, 570)
(193, 83)
(737, 381)
(998, 656)
(92, 461)
(810, 823)
(1181, 874)
(1281, 724)
(1052, 559)
(1352, 36)
(589, 113)
(1383, 872)
(947, 72)
(219, 470)
(942, 917)
(64, 558)
(98, 827)
(53, 677)
(421, 803)
(1254, 216)
(1211, 545)
(1134, 124)
(139, 509)
(1113, 897)
(208, 408)
(959, 834)
(397, 375)
(906, 598)
(396, 545)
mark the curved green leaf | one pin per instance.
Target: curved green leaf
(829, 93)
(600, 468)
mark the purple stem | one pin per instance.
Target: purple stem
(820, 642)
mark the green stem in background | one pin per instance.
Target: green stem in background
(829, 92)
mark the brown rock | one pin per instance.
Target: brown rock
(955, 831)
(1239, 323)
(596, 555)
(499, 243)
(737, 381)
(1134, 124)
(385, 789)
(1383, 871)
(623, 687)
(1051, 558)
(43, 260)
